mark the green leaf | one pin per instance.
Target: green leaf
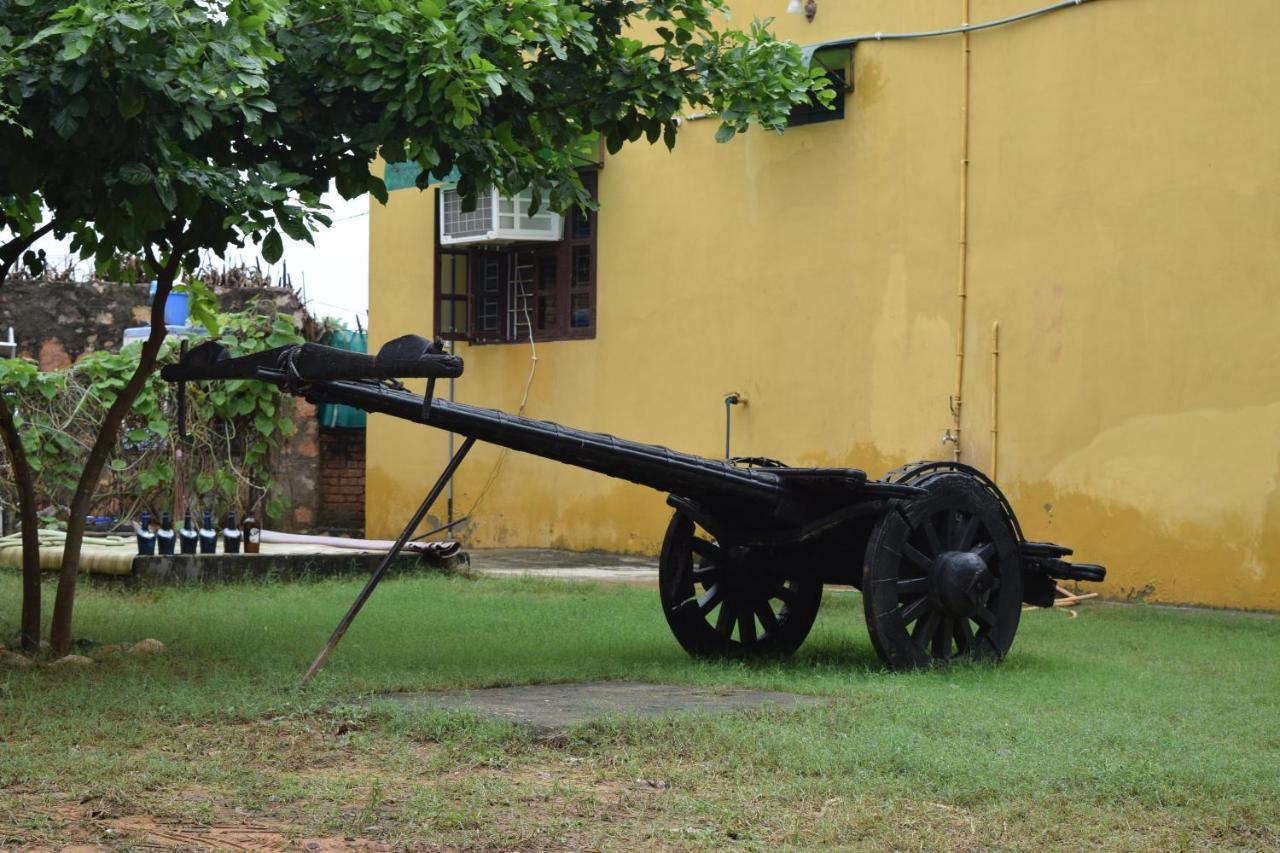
(378, 189)
(294, 227)
(130, 104)
(272, 247)
(119, 465)
(75, 47)
(136, 174)
(130, 20)
(209, 319)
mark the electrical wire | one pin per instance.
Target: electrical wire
(952, 31)
(948, 31)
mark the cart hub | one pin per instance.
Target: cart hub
(961, 581)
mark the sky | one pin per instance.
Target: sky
(332, 275)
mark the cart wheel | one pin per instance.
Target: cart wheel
(724, 601)
(942, 579)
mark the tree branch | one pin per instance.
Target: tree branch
(12, 251)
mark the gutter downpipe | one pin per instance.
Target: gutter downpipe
(449, 499)
(962, 289)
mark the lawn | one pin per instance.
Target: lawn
(1128, 727)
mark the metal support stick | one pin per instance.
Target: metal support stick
(448, 525)
(445, 476)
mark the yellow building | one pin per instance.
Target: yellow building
(1118, 219)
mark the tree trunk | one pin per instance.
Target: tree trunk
(25, 480)
(29, 629)
(64, 602)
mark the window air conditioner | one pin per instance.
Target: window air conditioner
(496, 219)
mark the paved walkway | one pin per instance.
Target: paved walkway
(570, 565)
(548, 709)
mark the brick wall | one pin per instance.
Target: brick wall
(341, 480)
(297, 471)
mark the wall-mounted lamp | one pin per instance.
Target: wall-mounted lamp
(808, 8)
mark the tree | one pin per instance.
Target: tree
(162, 128)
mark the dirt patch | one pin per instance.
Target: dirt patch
(549, 709)
(88, 827)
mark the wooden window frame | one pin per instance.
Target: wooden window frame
(547, 273)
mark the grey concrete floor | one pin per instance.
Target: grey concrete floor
(548, 709)
(570, 565)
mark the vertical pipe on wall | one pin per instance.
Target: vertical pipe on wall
(995, 399)
(449, 502)
(962, 289)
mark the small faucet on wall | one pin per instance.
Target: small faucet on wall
(731, 399)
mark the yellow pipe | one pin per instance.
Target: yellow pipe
(962, 290)
(995, 399)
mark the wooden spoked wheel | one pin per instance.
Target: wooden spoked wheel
(942, 579)
(727, 601)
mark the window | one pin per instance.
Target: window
(498, 293)
(838, 63)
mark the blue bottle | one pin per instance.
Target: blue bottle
(146, 536)
(165, 536)
(208, 536)
(187, 537)
(231, 535)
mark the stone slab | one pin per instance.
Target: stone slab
(224, 568)
(564, 565)
(549, 709)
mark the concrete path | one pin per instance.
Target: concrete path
(569, 565)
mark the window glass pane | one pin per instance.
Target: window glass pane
(519, 294)
(579, 223)
(491, 273)
(546, 312)
(487, 317)
(580, 310)
(460, 274)
(453, 318)
(547, 272)
(581, 266)
(453, 275)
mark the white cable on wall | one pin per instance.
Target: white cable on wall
(952, 31)
(524, 401)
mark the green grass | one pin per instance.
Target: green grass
(1128, 727)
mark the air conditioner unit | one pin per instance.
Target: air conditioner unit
(496, 219)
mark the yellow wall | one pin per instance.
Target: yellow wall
(1122, 221)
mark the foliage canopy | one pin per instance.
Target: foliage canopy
(139, 122)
